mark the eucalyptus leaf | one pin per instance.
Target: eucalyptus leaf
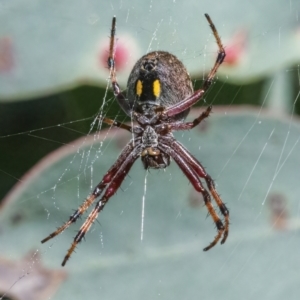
(254, 160)
(47, 46)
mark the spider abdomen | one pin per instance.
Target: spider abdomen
(158, 78)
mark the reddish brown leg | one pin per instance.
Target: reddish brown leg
(220, 57)
(198, 168)
(111, 189)
(184, 104)
(193, 177)
(191, 125)
(117, 124)
(95, 194)
(190, 101)
(112, 67)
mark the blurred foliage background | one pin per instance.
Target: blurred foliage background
(51, 88)
(54, 82)
(76, 108)
(21, 149)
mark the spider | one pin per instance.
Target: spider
(159, 97)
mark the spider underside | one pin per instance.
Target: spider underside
(159, 96)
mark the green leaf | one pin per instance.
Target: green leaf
(254, 160)
(46, 47)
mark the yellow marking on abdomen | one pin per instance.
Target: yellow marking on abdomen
(156, 88)
(139, 88)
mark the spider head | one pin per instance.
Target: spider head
(152, 158)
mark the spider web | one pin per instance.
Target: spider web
(148, 241)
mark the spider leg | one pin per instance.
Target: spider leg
(220, 57)
(96, 193)
(113, 186)
(112, 67)
(194, 123)
(194, 179)
(199, 169)
(191, 100)
(117, 124)
(184, 104)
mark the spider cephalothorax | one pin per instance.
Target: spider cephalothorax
(151, 156)
(159, 97)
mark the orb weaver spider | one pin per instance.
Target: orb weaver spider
(159, 97)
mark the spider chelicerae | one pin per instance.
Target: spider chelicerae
(159, 97)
